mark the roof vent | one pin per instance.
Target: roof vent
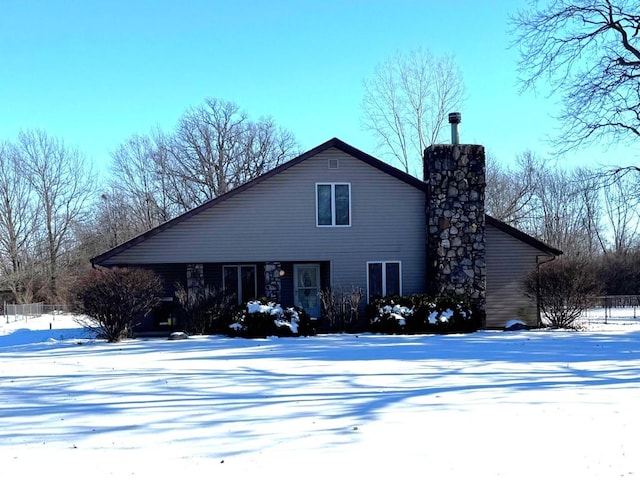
(333, 163)
(454, 119)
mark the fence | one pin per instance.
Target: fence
(31, 310)
(609, 302)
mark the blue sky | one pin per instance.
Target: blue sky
(96, 72)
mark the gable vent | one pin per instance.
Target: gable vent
(333, 164)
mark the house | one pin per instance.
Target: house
(338, 217)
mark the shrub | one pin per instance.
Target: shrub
(341, 307)
(392, 318)
(113, 298)
(262, 319)
(421, 314)
(206, 311)
(619, 272)
(564, 288)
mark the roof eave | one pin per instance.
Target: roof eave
(519, 234)
(332, 143)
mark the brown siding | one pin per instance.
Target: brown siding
(509, 260)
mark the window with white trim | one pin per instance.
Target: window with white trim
(383, 279)
(240, 282)
(333, 204)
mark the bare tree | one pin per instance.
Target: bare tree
(113, 221)
(216, 148)
(62, 185)
(206, 142)
(622, 213)
(18, 226)
(587, 183)
(140, 183)
(510, 192)
(406, 102)
(561, 207)
(265, 146)
(588, 51)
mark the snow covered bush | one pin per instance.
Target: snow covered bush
(112, 298)
(420, 314)
(392, 318)
(261, 318)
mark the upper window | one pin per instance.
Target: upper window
(333, 204)
(383, 279)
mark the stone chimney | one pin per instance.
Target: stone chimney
(455, 234)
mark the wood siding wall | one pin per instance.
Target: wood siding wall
(275, 220)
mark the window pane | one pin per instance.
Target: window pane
(230, 275)
(324, 205)
(393, 278)
(342, 204)
(248, 283)
(375, 280)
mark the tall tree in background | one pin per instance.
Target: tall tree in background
(588, 190)
(588, 51)
(562, 212)
(217, 147)
(571, 209)
(406, 102)
(139, 175)
(205, 145)
(622, 213)
(63, 186)
(511, 191)
(18, 227)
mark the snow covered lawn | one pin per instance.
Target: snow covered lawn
(510, 405)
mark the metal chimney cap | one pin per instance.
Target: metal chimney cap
(455, 117)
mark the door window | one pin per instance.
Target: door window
(307, 288)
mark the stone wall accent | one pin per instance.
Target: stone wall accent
(272, 281)
(455, 236)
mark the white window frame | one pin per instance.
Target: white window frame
(239, 282)
(384, 276)
(333, 204)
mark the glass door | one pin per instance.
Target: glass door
(306, 287)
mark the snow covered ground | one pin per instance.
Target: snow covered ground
(510, 405)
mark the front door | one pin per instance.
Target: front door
(306, 287)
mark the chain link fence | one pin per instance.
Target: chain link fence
(14, 312)
(614, 305)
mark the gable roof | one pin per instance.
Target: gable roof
(520, 235)
(333, 143)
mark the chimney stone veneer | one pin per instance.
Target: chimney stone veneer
(455, 234)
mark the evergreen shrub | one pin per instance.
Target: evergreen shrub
(421, 314)
(263, 318)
